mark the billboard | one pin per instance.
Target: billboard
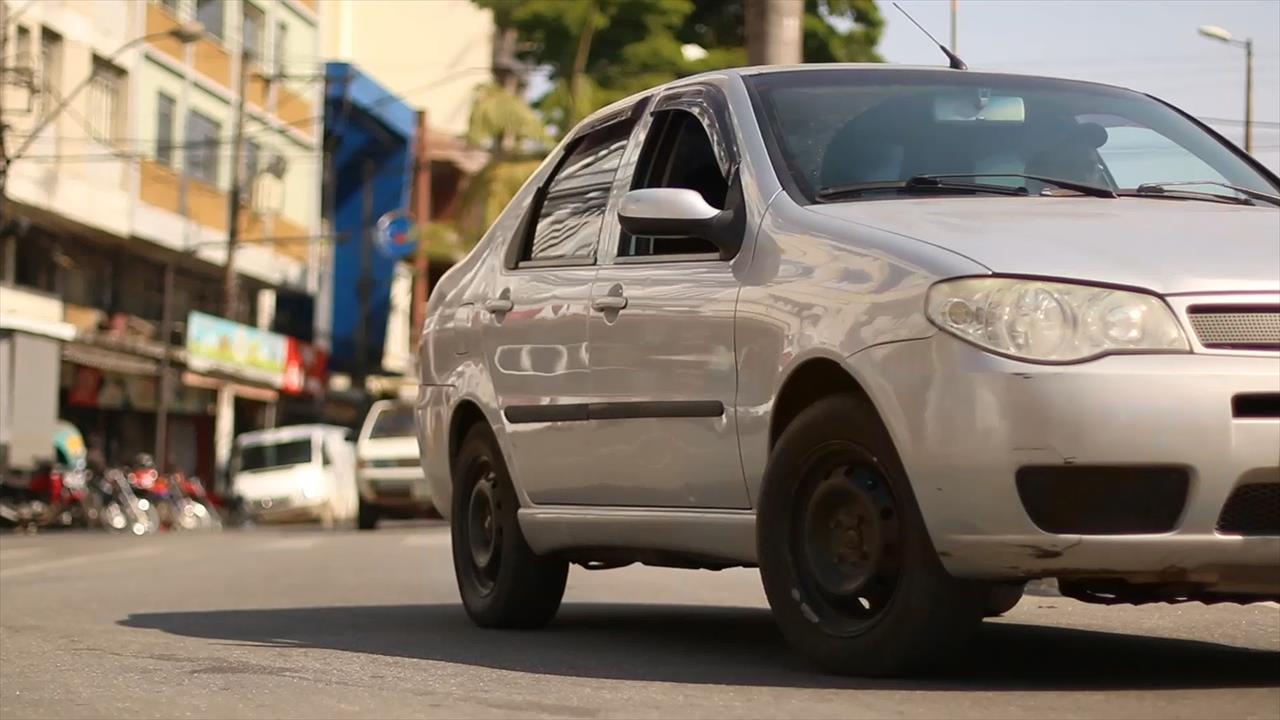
(222, 346)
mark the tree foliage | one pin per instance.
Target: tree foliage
(599, 51)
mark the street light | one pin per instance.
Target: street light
(184, 33)
(1213, 32)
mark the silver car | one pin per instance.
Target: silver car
(902, 338)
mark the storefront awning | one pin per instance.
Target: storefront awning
(109, 360)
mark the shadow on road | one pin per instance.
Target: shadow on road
(716, 645)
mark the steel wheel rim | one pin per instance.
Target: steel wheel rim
(845, 543)
(484, 528)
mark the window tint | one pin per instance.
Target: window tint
(263, 457)
(677, 153)
(837, 127)
(393, 422)
(573, 206)
(1135, 155)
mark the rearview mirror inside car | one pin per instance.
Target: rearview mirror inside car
(679, 212)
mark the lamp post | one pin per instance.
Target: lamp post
(1213, 32)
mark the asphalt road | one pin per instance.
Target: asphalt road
(303, 623)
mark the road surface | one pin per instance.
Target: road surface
(298, 622)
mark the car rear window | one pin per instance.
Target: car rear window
(263, 457)
(393, 422)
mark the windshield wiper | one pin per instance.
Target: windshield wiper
(1162, 188)
(924, 183)
(1082, 188)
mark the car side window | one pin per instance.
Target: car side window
(572, 207)
(677, 153)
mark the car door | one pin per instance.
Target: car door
(535, 325)
(660, 336)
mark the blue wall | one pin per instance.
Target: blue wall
(364, 123)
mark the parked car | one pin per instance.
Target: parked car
(903, 338)
(389, 471)
(299, 472)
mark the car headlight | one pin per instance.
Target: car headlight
(1045, 321)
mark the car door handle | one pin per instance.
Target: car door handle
(498, 305)
(609, 303)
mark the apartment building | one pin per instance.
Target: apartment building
(119, 121)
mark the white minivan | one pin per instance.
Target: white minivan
(300, 472)
(390, 475)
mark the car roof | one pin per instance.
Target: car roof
(289, 432)
(752, 70)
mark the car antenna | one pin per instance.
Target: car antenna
(956, 62)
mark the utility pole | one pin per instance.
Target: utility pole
(774, 31)
(422, 213)
(364, 286)
(164, 387)
(230, 284)
(955, 10)
(1248, 95)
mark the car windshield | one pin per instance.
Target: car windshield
(393, 422)
(265, 457)
(834, 134)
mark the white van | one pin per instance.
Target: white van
(300, 472)
(390, 475)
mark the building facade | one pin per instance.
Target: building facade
(118, 132)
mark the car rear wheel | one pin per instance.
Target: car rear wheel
(846, 562)
(367, 516)
(502, 582)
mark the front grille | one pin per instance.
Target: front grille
(1103, 500)
(1240, 327)
(1252, 510)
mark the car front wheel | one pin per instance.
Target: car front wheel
(846, 562)
(502, 582)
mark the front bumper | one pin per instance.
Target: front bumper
(395, 486)
(964, 421)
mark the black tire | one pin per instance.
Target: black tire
(1003, 597)
(367, 517)
(502, 582)
(846, 562)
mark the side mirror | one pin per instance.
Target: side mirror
(680, 212)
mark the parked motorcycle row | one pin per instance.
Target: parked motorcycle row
(136, 500)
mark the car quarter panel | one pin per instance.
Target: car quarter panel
(819, 287)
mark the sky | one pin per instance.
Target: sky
(1147, 45)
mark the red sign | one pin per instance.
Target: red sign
(306, 369)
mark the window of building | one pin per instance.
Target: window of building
(211, 13)
(282, 47)
(22, 48)
(106, 101)
(203, 136)
(572, 207)
(50, 79)
(166, 110)
(252, 161)
(252, 30)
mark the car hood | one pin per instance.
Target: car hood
(390, 448)
(1168, 246)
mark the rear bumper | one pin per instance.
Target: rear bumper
(965, 421)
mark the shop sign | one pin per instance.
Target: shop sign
(218, 345)
(306, 369)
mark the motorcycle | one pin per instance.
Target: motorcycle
(200, 504)
(53, 496)
(117, 508)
